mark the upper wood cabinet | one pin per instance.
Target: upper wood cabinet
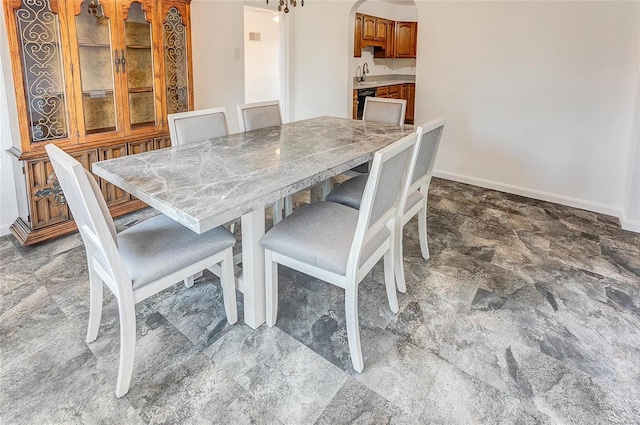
(369, 28)
(93, 77)
(381, 29)
(357, 36)
(406, 39)
(390, 51)
(374, 31)
(389, 38)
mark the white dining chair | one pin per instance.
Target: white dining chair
(388, 111)
(350, 192)
(253, 116)
(195, 126)
(138, 262)
(339, 244)
(379, 109)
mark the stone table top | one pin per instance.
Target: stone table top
(206, 184)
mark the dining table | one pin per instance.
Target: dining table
(206, 184)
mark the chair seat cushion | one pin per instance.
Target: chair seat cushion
(350, 193)
(362, 168)
(160, 246)
(320, 234)
(413, 199)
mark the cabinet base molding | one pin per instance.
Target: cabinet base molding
(26, 236)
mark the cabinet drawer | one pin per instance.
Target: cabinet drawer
(162, 142)
(141, 146)
(382, 91)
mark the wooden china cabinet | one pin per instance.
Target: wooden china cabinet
(97, 78)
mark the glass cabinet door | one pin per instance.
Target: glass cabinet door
(40, 41)
(97, 53)
(174, 37)
(137, 60)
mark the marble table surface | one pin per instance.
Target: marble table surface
(206, 184)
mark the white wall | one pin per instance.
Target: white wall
(261, 58)
(384, 66)
(540, 96)
(218, 56)
(323, 37)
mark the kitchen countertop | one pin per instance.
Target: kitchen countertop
(382, 80)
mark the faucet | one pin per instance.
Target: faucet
(358, 77)
(365, 71)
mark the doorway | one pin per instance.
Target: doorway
(263, 54)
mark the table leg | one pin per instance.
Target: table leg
(253, 268)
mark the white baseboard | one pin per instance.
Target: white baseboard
(530, 193)
(628, 224)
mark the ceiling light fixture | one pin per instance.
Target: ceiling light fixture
(95, 8)
(283, 6)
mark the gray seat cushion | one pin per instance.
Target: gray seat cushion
(362, 168)
(412, 200)
(350, 192)
(320, 234)
(160, 246)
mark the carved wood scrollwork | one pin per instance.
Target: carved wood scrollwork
(53, 190)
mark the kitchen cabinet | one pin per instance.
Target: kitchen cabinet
(390, 92)
(374, 31)
(390, 51)
(411, 103)
(355, 104)
(357, 36)
(394, 91)
(369, 28)
(390, 39)
(97, 79)
(406, 39)
(381, 29)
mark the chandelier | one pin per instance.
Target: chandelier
(95, 8)
(283, 6)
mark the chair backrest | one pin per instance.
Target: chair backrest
(195, 126)
(383, 192)
(429, 136)
(388, 111)
(91, 214)
(254, 116)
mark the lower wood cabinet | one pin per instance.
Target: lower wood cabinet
(47, 205)
(401, 91)
(49, 215)
(411, 103)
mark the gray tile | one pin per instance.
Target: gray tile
(526, 312)
(357, 404)
(293, 382)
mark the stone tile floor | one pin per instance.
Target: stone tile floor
(527, 312)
